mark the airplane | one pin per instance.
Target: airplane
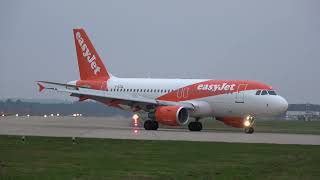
(172, 102)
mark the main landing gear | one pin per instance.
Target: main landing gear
(150, 125)
(195, 126)
(249, 130)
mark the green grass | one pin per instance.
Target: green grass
(57, 158)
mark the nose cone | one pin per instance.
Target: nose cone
(282, 104)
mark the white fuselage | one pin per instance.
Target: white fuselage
(237, 103)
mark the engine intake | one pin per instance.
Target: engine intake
(171, 115)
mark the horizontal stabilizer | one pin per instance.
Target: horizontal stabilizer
(41, 87)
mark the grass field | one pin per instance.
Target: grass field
(58, 158)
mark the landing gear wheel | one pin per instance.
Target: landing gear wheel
(249, 130)
(195, 126)
(150, 125)
(155, 125)
(147, 125)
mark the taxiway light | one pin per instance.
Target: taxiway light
(73, 140)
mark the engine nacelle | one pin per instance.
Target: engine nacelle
(238, 122)
(171, 115)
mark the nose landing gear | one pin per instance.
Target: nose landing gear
(249, 130)
(248, 123)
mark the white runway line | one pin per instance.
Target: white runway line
(119, 128)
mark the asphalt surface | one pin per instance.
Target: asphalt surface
(121, 128)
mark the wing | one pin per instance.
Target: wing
(124, 101)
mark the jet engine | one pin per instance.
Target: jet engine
(170, 115)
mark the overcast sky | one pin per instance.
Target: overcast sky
(276, 42)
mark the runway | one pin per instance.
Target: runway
(121, 128)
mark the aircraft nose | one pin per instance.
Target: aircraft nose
(283, 104)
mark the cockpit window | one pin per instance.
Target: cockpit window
(264, 92)
(258, 92)
(272, 93)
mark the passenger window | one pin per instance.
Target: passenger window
(272, 93)
(264, 92)
(258, 92)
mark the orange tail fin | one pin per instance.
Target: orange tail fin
(90, 65)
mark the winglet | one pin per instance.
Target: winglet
(41, 87)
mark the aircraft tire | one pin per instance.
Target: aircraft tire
(195, 126)
(148, 125)
(155, 125)
(249, 130)
(151, 125)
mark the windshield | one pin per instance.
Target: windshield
(258, 92)
(272, 92)
(264, 92)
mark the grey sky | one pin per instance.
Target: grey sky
(276, 42)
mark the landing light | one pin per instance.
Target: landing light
(28, 115)
(58, 114)
(45, 116)
(246, 123)
(249, 118)
(17, 115)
